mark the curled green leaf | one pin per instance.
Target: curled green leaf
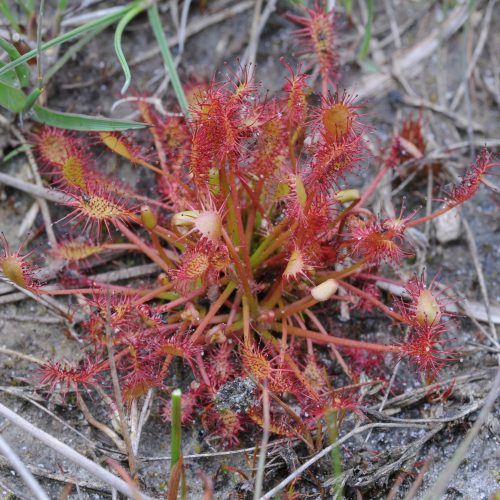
(118, 44)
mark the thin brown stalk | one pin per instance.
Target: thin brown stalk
(118, 393)
(259, 480)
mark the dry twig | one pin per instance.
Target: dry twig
(22, 470)
(63, 449)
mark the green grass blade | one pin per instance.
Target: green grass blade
(9, 78)
(176, 427)
(73, 121)
(365, 45)
(336, 456)
(154, 20)
(12, 98)
(28, 6)
(348, 7)
(118, 44)
(68, 36)
(22, 71)
(16, 151)
(31, 99)
(7, 13)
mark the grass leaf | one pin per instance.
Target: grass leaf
(73, 121)
(365, 45)
(68, 36)
(11, 97)
(118, 44)
(7, 13)
(16, 151)
(154, 20)
(176, 426)
(22, 71)
(348, 7)
(10, 77)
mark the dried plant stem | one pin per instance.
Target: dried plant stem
(477, 52)
(143, 417)
(94, 469)
(51, 304)
(33, 189)
(480, 276)
(97, 424)
(20, 355)
(259, 479)
(117, 391)
(21, 469)
(251, 51)
(44, 208)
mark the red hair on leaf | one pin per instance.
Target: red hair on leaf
(317, 34)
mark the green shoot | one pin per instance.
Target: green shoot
(85, 28)
(22, 71)
(336, 457)
(365, 45)
(154, 19)
(176, 427)
(118, 43)
(7, 13)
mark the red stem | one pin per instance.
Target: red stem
(181, 300)
(373, 300)
(433, 215)
(239, 221)
(152, 254)
(214, 308)
(330, 339)
(153, 293)
(373, 185)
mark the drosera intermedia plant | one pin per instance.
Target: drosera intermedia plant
(251, 224)
(250, 254)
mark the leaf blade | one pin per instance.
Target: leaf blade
(86, 123)
(11, 97)
(67, 36)
(118, 44)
